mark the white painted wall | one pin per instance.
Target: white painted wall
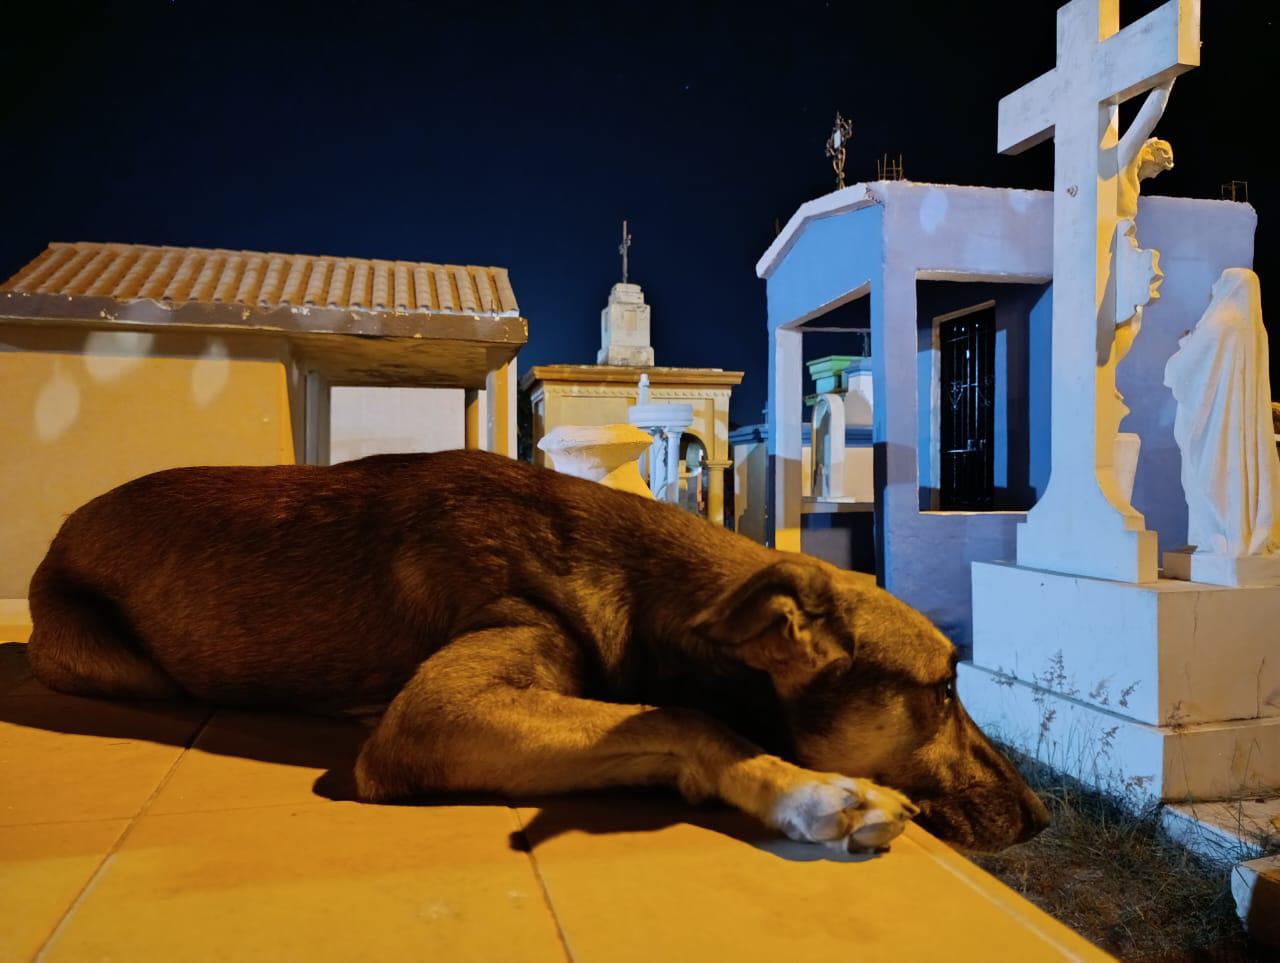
(374, 421)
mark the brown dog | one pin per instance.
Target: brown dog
(525, 632)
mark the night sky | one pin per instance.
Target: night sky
(522, 135)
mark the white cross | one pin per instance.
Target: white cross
(1082, 524)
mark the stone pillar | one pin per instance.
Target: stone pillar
(316, 420)
(471, 425)
(500, 401)
(715, 490)
(672, 493)
(785, 438)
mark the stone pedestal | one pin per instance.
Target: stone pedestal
(1168, 689)
(624, 328)
(1250, 570)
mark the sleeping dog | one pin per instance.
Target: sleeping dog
(521, 631)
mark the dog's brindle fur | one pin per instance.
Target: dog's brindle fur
(526, 632)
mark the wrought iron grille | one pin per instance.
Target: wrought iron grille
(968, 412)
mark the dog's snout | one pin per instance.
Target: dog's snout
(1036, 816)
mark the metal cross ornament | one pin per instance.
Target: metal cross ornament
(840, 135)
(622, 249)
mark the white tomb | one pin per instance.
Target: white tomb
(1082, 656)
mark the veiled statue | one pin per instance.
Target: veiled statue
(1223, 426)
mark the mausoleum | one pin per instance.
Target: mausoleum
(562, 395)
(952, 284)
(123, 359)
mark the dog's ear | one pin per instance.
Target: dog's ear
(778, 621)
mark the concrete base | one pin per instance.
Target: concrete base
(1161, 690)
(1116, 753)
(1168, 653)
(1208, 569)
(1255, 886)
(1226, 831)
(629, 355)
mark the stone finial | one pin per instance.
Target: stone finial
(624, 328)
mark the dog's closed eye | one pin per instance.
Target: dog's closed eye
(946, 691)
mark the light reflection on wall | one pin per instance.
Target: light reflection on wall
(57, 405)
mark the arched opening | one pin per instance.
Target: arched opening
(694, 474)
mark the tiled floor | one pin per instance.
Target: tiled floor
(170, 833)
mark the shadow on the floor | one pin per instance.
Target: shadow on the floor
(320, 742)
(649, 810)
(284, 738)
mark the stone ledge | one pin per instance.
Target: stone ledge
(1117, 753)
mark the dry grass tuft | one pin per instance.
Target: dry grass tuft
(1118, 879)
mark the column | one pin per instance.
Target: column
(673, 466)
(715, 490)
(500, 402)
(785, 438)
(471, 428)
(316, 420)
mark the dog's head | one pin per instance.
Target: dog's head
(869, 685)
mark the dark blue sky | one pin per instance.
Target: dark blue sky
(521, 135)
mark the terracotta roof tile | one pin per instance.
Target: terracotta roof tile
(131, 272)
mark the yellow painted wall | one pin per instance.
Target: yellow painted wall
(83, 412)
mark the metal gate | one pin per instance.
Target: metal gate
(967, 347)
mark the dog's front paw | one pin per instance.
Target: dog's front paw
(840, 810)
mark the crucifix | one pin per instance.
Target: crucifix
(622, 249)
(1083, 524)
(836, 147)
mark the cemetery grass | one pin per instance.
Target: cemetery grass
(1119, 880)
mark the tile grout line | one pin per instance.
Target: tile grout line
(542, 884)
(92, 881)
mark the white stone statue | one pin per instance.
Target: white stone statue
(1230, 468)
(827, 446)
(1135, 272)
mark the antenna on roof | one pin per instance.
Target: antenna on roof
(888, 169)
(1236, 191)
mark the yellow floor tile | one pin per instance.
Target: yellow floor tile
(63, 758)
(15, 620)
(326, 881)
(244, 759)
(630, 880)
(14, 671)
(42, 871)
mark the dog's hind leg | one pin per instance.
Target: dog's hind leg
(494, 711)
(81, 645)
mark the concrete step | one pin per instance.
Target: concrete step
(1256, 888)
